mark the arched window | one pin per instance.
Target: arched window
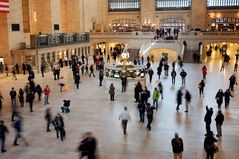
(172, 4)
(173, 23)
(123, 5)
(217, 4)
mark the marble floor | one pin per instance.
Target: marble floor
(91, 110)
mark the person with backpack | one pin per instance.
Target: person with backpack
(58, 123)
(155, 97)
(187, 100)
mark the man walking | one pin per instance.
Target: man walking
(179, 98)
(3, 131)
(150, 112)
(183, 74)
(13, 95)
(18, 129)
(30, 97)
(123, 83)
(48, 117)
(177, 145)
(124, 117)
(188, 100)
(219, 121)
(173, 75)
(141, 107)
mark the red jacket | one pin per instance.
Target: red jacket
(47, 91)
(204, 70)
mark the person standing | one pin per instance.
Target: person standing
(42, 70)
(227, 96)
(188, 100)
(21, 97)
(17, 68)
(209, 145)
(141, 107)
(58, 123)
(88, 146)
(183, 74)
(17, 125)
(48, 117)
(14, 76)
(123, 83)
(46, 94)
(6, 69)
(30, 97)
(150, 113)
(208, 119)
(219, 98)
(101, 77)
(3, 131)
(177, 146)
(112, 92)
(24, 68)
(201, 86)
(13, 95)
(155, 97)
(219, 121)
(151, 73)
(1, 98)
(160, 86)
(136, 93)
(124, 117)
(61, 83)
(39, 92)
(232, 82)
(173, 75)
(204, 72)
(179, 98)
(92, 71)
(77, 80)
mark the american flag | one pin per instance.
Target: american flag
(4, 6)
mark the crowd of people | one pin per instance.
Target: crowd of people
(142, 95)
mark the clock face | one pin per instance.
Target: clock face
(125, 55)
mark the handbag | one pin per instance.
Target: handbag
(66, 88)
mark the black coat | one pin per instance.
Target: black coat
(219, 119)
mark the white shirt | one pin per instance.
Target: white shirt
(124, 116)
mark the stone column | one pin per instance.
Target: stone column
(147, 12)
(199, 14)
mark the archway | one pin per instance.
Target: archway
(170, 54)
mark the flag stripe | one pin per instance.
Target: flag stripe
(4, 3)
(4, 6)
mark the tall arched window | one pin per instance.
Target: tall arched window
(123, 5)
(217, 4)
(172, 4)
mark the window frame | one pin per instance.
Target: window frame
(188, 7)
(226, 6)
(123, 9)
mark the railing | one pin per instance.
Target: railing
(147, 35)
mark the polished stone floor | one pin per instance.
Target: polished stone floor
(91, 110)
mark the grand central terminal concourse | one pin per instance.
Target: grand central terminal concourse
(119, 79)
